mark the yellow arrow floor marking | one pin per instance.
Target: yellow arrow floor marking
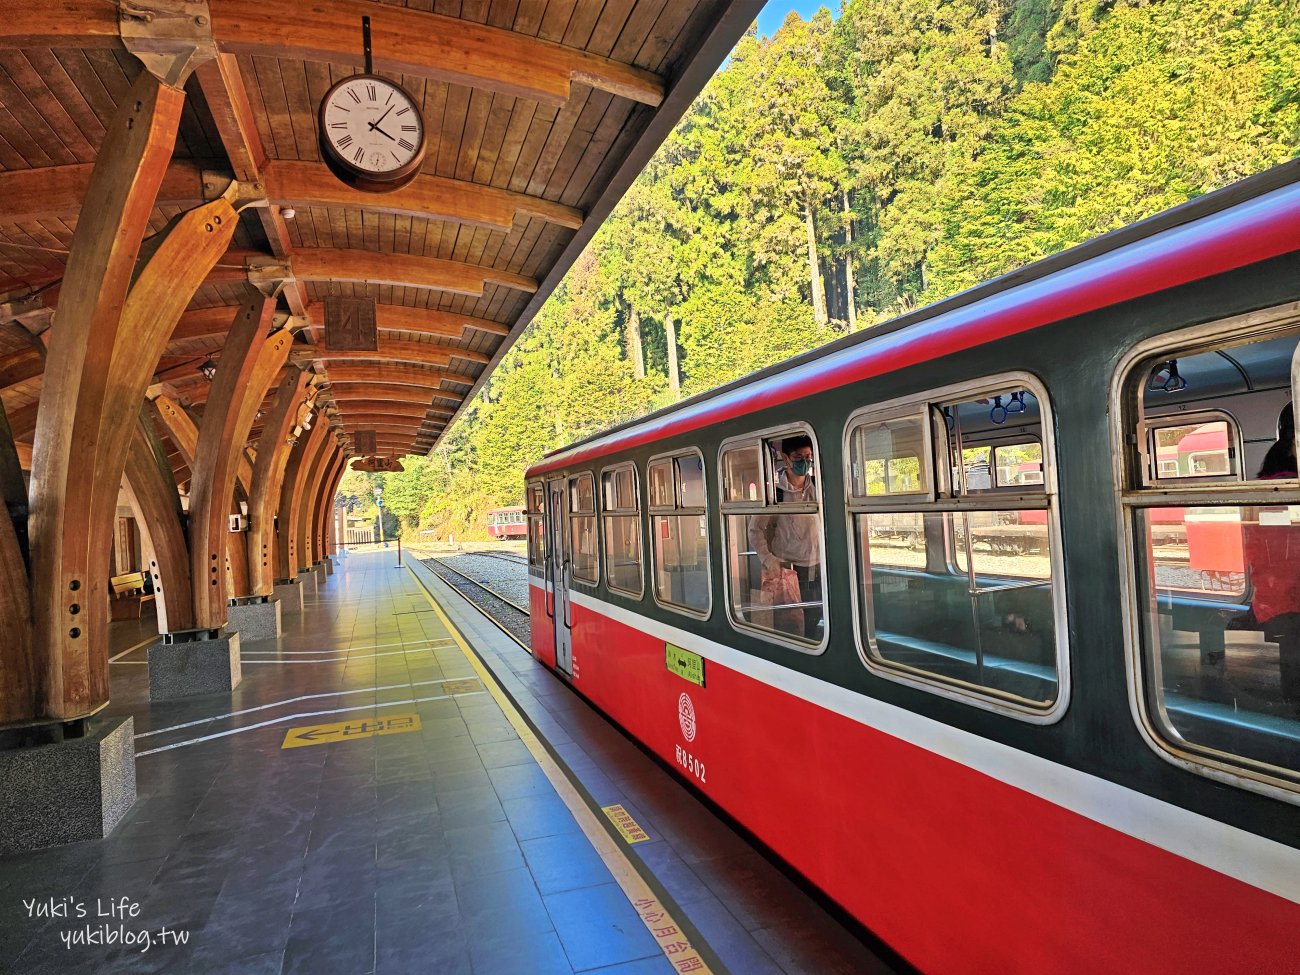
(328, 734)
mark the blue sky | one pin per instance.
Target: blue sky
(774, 12)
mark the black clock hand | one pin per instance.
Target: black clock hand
(375, 125)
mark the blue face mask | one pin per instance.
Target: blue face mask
(800, 467)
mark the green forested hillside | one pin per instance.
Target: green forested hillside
(850, 168)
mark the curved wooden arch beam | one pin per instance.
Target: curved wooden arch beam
(300, 462)
(250, 359)
(410, 395)
(58, 191)
(394, 375)
(427, 45)
(392, 350)
(324, 467)
(356, 409)
(91, 385)
(268, 477)
(215, 322)
(304, 184)
(152, 488)
(402, 270)
(184, 432)
(325, 506)
(409, 42)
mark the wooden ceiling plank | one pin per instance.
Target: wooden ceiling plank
(454, 116)
(427, 45)
(51, 93)
(555, 22)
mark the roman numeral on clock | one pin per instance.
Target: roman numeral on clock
(408, 146)
(345, 142)
(373, 92)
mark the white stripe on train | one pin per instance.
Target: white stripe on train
(1234, 852)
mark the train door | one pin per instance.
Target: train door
(558, 569)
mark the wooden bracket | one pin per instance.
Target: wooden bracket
(170, 37)
(269, 277)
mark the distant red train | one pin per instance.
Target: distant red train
(507, 523)
(986, 620)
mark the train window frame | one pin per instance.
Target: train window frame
(1148, 428)
(533, 518)
(942, 497)
(635, 511)
(769, 503)
(1133, 492)
(570, 482)
(677, 509)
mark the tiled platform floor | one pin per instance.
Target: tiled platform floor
(443, 851)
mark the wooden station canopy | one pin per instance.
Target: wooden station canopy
(538, 115)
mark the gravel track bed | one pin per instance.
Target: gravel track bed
(510, 617)
(506, 577)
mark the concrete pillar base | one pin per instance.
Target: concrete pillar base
(308, 579)
(289, 592)
(329, 565)
(254, 617)
(318, 570)
(188, 663)
(57, 789)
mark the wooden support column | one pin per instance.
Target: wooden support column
(152, 486)
(100, 356)
(286, 547)
(249, 360)
(273, 453)
(17, 686)
(325, 506)
(307, 552)
(308, 481)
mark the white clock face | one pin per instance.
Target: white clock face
(373, 125)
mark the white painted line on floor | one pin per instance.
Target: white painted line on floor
(295, 700)
(129, 663)
(384, 646)
(139, 646)
(331, 660)
(307, 714)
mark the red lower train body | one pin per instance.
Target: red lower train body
(962, 854)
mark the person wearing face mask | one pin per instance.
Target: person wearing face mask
(789, 541)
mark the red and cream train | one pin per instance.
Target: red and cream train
(1035, 707)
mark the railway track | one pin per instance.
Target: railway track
(497, 606)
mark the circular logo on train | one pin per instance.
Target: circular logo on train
(686, 716)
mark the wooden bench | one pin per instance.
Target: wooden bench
(128, 596)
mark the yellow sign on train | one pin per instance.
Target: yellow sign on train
(327, 734)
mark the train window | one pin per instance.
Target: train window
(955, 530)
(773, 529)
(1201, 446)
(888, 457)
(621, 515)
(679, 533)
(1212, 505)
(535, 505)
(582, 528)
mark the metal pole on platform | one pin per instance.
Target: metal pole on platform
(399, 551)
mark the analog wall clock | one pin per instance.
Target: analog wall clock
(371, 133)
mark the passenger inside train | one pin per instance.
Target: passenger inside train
(785, 543)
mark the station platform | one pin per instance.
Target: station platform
(396, 787)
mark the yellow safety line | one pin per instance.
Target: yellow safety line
(674, 943)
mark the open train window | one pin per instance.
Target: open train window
(954, 518)
(1211, 510)
(583, 553)
(535, 508)
(621, 515)
(679, 533)
(772, 526)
